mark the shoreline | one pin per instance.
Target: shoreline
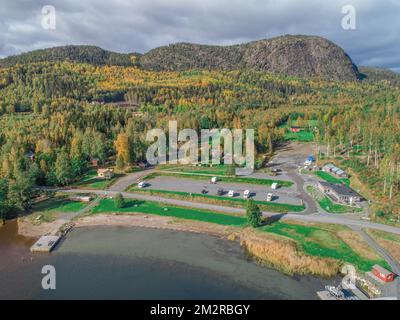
(268, 250)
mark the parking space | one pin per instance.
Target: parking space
(258, 192)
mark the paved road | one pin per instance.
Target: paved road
(317, 218)
(311, 206)
(132, 178)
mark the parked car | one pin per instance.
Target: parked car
(220, 192)
(214, 180)
(274, 186)
(269, 197)
(142, 184)
(246, 194)
(231, 193)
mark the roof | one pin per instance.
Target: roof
(382, 270)
(340, 189)
(104, 170)
(311, 158)
(329, 165)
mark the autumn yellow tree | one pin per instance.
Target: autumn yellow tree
(123, 150)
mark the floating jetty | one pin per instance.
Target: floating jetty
(325, 295)
(45, 244)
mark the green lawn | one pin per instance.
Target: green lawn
(302, 136)
(215, 170)
(90, 181)
(384, 235)
(198, 176)
(332, 207)
(330, 178)
(235, 202)
(323, 243)
(48, 209)
(107, 205)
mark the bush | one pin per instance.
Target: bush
(119, 201)
(253, 214)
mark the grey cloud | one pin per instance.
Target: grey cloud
(140, 25)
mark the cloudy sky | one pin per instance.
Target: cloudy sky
(140, 25)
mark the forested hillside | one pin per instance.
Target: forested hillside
(80, 54)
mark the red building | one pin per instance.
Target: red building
(295, 129)
(382, 273)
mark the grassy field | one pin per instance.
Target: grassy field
(329, 178)
(48, 209)
(215, 170)
(325, 243)
(305, 135)
(332, 207)
(234, 202)
(107, 205)
(204, 177)
(302, 136)
(90, 181)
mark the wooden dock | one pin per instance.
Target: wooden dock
(325, 295)
(45, 244)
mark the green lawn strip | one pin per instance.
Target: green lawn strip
(235, 202)
(331, 207)
(148, 207)
(322, 243)
(384, 235)
(331, 179)
(90, 181)
(218, 170)
(266, 182)
(302, 136)
(50, 207)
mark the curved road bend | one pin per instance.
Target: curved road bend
(130, 179)
(311, 206)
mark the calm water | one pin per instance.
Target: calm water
(133, 263)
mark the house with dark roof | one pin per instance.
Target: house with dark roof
(330, 168)
(339, 192)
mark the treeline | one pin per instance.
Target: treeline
(79, 54)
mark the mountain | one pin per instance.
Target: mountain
(79, 54)
(299, 56)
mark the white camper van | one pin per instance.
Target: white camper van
(142, 184)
